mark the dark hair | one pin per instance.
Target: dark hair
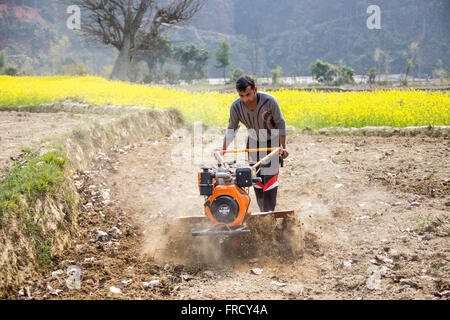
(244, 82)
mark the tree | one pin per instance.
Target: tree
(377, 56)
(253, 51)
(387, 64)
(336, 74)
(409, 65)
(159, 54)
(79, 69)
(413, 49)
(2, 59)
(442, 74)
(372, 75)
(193, 61)
(276, 75)
(322, 71)
(138, 71)
(118, 22)
(27, 67)
(59, 54)
(11, 71)
(346, 75)
(223, 56)
(236, 74)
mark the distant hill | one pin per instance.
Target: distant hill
(19, 25)
(294, 33)
(32, 31)
(263, 34)
(21, 13)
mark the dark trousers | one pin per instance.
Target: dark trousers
(267, 200)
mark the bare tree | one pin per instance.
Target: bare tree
(132, 25)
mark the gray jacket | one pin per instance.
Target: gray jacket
(254, 119)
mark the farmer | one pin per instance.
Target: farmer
(261, 114)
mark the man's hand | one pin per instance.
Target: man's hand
(284, 154)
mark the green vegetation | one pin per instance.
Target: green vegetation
(192, 60)
(223, 56)
(336, 30)
(79, 70)
(39, 175)
(235, 74)
(429, 223)
(164, 60)
(372, 73)
(442, 74)
(2, 59)
(32, 179)
(26, 150)
(322, 71)
(277, 73)
(332, 74)
(5, 68)
(82, 135)
(437, 265)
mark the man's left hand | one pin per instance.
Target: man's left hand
(285, 154)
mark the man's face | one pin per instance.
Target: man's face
(248, 97)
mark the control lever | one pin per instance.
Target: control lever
(256, 180)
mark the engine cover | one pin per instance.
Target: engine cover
(225, 209)
(228, 205)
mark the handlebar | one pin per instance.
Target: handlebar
(219, 155)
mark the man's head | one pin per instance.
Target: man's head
(247, 90)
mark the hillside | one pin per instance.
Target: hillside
(21, 27)
(291, 34)
(37, 41)
(294, 33)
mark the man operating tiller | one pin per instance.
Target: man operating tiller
(261, 114)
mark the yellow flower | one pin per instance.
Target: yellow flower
(300, 108)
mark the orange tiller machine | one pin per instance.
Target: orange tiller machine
(226, 191)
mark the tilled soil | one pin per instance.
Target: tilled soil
(23, 129)
(374, 214)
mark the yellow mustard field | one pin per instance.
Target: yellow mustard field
(396, 108)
